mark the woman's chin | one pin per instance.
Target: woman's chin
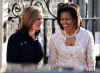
(68, 28)
(37, 29)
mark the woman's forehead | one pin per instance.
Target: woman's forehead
(65, 14)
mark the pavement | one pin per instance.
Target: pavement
(66, 71)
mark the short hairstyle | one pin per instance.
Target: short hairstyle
(29, 15)
(71, 8)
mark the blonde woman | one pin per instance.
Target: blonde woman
(24, 48)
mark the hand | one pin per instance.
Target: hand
(71, 41)
(91, 68)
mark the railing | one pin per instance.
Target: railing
(17, 6)
(55, 71)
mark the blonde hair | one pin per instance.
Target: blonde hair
(29, 15)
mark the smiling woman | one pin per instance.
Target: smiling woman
(71, 47)
(24, 48)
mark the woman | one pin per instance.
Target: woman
(71, 47)
(24, 47)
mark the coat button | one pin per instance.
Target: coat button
(21, 43)
(25, 42)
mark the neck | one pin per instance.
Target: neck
(70, 31)
(32, 34)
(70, 34)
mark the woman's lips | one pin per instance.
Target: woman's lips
(67, 25)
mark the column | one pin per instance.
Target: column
(98, 14)
(90, 14)
(0, 34)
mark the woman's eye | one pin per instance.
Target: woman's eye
(39, 18)
(67, 19)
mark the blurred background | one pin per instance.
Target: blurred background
(10, 11)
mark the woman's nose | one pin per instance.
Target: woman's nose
(66, 22)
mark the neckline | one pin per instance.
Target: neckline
(25, 33)
(62, 35)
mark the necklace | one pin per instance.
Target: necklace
(70, 36)
(70, 39)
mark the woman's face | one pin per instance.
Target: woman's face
(66, 21)
(37, 23)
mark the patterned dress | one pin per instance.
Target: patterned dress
(79, 57)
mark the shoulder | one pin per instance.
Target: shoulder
(53, 37)
(83, 30)
(14, 37)
(57, 34)
(86, 33)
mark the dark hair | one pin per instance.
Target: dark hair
(71, 8)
